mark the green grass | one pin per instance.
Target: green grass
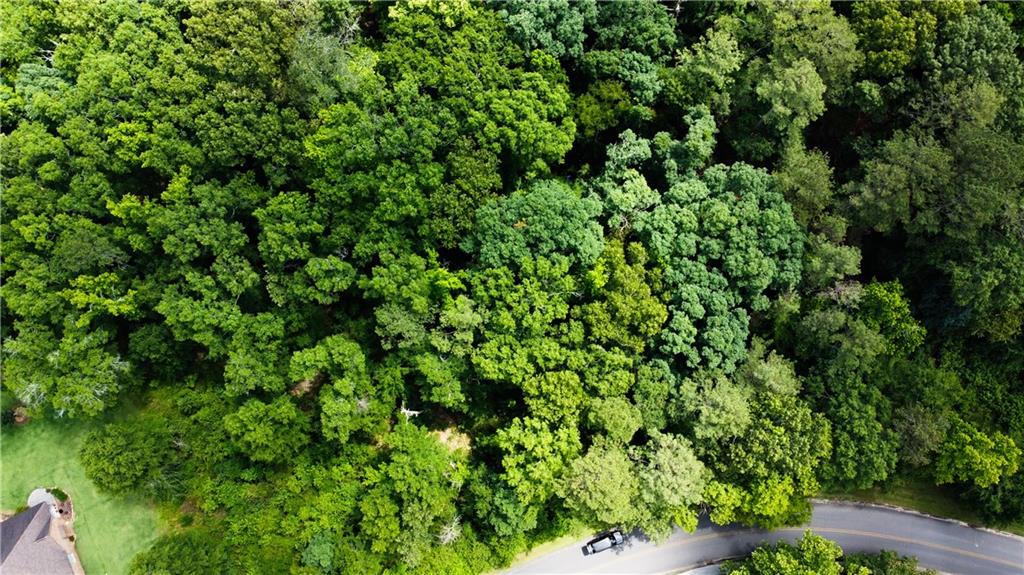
(111, 530)
(921, 495)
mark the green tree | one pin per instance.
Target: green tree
(811, 554)
(625, 311)
(442, 152)
(671, 484)
(969, 455)
(350, 402)
(884, 563)
(705, 72)
(884, 308)
(536, 456)
(268, 432)
(547, 220)
(600, 487)
(410, 495)
(555, 26)
(77, 374)
(121, 457)
(616, 417)
(722, 239)
(794, 95)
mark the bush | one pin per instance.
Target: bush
(58, 493)
(121, 457)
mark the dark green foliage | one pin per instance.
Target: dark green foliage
(204, 548)
(547, 220)
(884, 563)
(122, 457)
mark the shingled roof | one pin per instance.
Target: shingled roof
(26, 547)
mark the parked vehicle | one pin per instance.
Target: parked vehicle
(604, 541)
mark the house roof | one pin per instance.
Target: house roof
(26, 547)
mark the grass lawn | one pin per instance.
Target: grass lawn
(111, 530)
(921, 495)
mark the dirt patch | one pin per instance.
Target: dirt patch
(453, 439)
(306, 386)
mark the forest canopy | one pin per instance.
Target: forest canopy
(412, 287)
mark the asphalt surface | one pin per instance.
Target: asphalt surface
(946, 546)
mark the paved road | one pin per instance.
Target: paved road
(946, 546)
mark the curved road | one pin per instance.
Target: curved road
(946, 546)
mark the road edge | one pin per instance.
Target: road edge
(697, 569)
(911, 511)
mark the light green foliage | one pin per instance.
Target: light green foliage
(411, 495)
(826, 262)
(805, 177)
(77, 374)
(430, 329)
(268, 432)
(884, 308)
(616, 417)
(722, 411)
(813, 30)
(764, 475)
(256, 358)
(671, 484)
(705, 72)
(812, 554)
(625, 312)
(768, 372)
(794, 95)
(290, 224)
(773, 467)
(699, 143)
(600, 487)
(547, 220)
(894, 35)
(797, 56)
(523, 313)
(536, 456)
(970, 455)
(326, 63)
